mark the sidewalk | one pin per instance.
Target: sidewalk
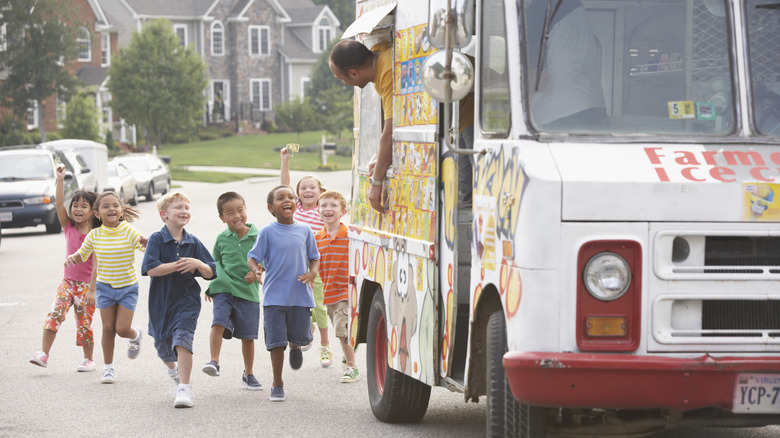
(227, 169)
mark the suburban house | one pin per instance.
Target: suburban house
(258, 52)
(98, 40)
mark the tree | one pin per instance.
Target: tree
(157, 84)
(81, 121)
(295, 115)
(331, 100)
(38, 43)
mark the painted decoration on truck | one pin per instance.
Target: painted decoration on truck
(759, 202)
(413, 106)
(410, 194)
(409, 282)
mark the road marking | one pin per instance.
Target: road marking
(12, 304)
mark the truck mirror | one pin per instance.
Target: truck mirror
(459, 21)
(436, 78)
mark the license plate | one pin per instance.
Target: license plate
(757, 394)
(6, 216)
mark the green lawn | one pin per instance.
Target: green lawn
(253, 151)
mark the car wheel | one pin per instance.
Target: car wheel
(505, 415)
(134, 199)
(394, 396)
(150, 192)
(54, 227)
(167, 187)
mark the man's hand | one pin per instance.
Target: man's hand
(250, 277)
(375, 198)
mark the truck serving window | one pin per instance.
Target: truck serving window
(652, 67)
(764, 39)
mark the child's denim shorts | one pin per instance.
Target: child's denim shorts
(166, 348)
(286, 324)
(239, 316)
(106, 296)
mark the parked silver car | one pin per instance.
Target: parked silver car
(122, 182)
(151, 173)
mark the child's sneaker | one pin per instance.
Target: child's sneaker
(86, 365)
(134, 346)
(350, 375)
(307, 346)
(108, 375)
(183, 397)
(277, 394)
(211, 368)
(251, 383)
(174, 374)
(296, 358)
(326, 356)
(41, 359)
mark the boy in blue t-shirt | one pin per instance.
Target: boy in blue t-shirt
(289, 257)
(173, 258)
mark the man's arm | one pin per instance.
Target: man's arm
(384, 157)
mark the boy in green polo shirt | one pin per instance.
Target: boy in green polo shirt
(235, 291)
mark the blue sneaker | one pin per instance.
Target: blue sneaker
(296, 358)
(251, 383)
(211, 368)
(277, 394)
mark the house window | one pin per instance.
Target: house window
(32, 114)
(181, 32)
(305, 84)
(85, 45)
(62, 108)
(261, 94)
(105, 49)
(217, 39)
(3, 44)
(324, 34)
(259, 40)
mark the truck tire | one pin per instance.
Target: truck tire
(394, 396)
(505, 415)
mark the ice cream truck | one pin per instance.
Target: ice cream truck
(616, 268)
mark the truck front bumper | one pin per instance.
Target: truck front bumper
(617, 381)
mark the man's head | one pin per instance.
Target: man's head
(352, 63)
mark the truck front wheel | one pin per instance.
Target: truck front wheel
(505, 415)
(394, 396)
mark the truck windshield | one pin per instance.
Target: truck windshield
(763, 19)
(637, 67)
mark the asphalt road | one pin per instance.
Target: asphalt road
(58, 401)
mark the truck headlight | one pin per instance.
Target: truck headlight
(607, 276)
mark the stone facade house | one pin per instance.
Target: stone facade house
(98, 40)
(258, 52)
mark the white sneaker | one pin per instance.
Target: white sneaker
(86, 365)
(174, 374)
(134, 346)
(108, 375)
(183, 397)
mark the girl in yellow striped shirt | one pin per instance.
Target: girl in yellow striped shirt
(114, 241)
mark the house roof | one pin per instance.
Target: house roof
(92, 75)
(296, 46)
(179, 8)
(302, 11)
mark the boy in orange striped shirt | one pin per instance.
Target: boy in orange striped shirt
(333, 245)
